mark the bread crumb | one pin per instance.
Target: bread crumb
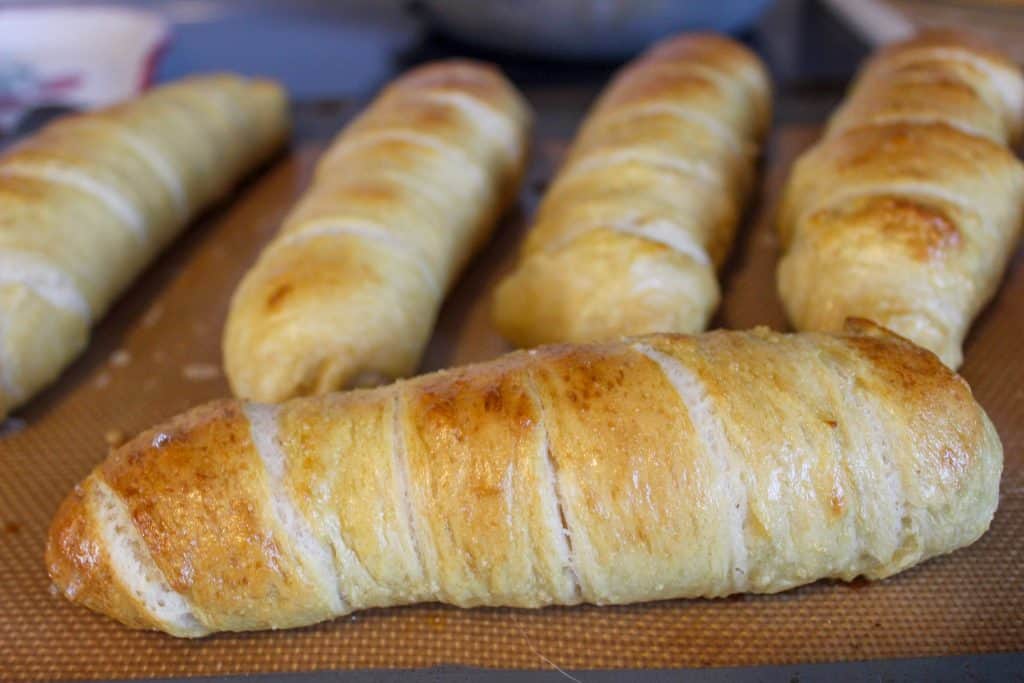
(114, 437)
(120, 358)
(102, 379)
(200, 372)
(153, 315)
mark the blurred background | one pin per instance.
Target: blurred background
(65, 53)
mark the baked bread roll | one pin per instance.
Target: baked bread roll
(628, 238)
(87, 203)
(347, 293)
(909, 208)
(645, 469)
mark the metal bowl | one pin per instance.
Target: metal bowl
(584, 29)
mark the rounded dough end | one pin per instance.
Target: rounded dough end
(289, 332)
(600, 285)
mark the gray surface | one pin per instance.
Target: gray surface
(997, 667)
(329, 50)
(317, 49)
(345, 48)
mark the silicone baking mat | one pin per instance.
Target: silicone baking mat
(157, 353)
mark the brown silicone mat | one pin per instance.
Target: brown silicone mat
(157, 353)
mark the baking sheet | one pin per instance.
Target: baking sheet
(157, 353)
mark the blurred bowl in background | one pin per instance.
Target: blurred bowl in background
(584, 29)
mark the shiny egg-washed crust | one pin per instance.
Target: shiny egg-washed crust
(628, 238)
(348, 291)
(909, 209)
(655, 467)
(88, 201)
(943, 76)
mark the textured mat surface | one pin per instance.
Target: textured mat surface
(157, 353)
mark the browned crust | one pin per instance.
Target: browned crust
(197, 492)
(925, 231)
(331, 326)
(79, 566)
